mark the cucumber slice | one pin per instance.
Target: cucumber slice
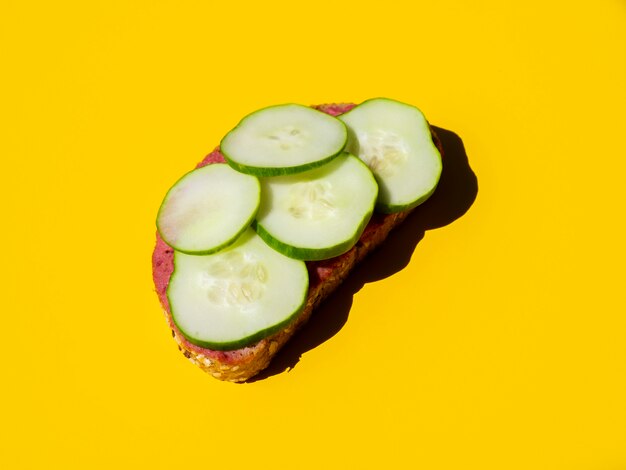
(238, 296)
(394, 140)
(318, 214)
(208, 208)
(282, 140)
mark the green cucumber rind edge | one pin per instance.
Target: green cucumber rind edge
(281, 171)
(380, 98)
(310, 254)
(394, 208)
(248, 340)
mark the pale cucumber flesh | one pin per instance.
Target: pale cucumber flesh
(234, 298)
(394, 140)
(318, 214)
(283, 139)
(208, 208)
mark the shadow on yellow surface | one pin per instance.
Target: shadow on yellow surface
(455, 194)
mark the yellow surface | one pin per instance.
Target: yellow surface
(500, 345)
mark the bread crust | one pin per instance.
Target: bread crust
(324, 277)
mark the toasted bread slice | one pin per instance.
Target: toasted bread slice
(324, 277)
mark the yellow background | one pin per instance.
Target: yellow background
(500, 345)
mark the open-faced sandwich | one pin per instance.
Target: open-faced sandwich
(268, 224)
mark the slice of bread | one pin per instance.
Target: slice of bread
(324, 277)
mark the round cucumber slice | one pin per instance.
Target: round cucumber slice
(208, 208)
(282, 140)
(318, 214)
(238, 296)
(395, 142)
